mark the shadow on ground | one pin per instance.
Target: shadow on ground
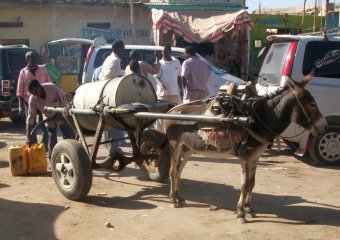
(27, 220)
(269, 208)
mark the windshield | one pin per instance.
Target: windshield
(273, 63)
(211, 66)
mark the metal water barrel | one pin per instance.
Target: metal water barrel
(118, 91)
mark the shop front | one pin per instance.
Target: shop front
(219, 33)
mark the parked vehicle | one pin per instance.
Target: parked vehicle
(68, 55)
(294, 57)
(95, 55)
(12, 60)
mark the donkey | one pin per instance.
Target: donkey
(292, 103)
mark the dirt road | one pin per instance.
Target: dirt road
(293, 200)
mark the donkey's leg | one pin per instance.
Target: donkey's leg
(183, 159)
(244, 191)
(249, 211)
(175, 154)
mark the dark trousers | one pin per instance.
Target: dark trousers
(42, 128)
(66, 131)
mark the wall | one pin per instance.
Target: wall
(50, 22)
(35, 23)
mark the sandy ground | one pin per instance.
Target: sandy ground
(293, 200)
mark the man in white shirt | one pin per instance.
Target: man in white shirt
(169, 86)
(111, 67)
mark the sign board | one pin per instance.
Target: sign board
(118, 33)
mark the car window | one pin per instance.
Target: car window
(16, 60)
(325, 57)
(273, 62)
(212, 67)
(98, 61)
(148, 56)
(125, 59)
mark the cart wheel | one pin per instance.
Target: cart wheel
(156, 168)
(71, 169)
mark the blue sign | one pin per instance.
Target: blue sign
(113, 34)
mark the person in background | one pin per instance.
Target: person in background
(96, 72)
(169, 85)
(195, 74)
(134, 67)
(145, 68)
(111, 67)
(47, 95)
(27, 74)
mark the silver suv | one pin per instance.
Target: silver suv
(294, 57)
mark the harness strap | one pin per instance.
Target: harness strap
(300, 104)
(257, 136)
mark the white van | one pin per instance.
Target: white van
(294, 57)
(95, 56)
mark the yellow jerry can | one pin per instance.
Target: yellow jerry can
(37, 159)
(18, 160)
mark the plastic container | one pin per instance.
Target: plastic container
(37, 159)
(18, 160)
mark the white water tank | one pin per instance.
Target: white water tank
(114, 93)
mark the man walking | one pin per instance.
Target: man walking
(169, 85)
(195, 74)
(30, 72)
(111, 69)
(47, 95)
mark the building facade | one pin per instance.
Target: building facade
(35, 23)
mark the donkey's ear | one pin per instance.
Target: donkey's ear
(307, 78)
(292, 84)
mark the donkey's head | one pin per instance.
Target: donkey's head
(305, 110)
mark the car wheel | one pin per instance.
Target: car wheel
(325, 148)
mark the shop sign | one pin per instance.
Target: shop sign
(115, 33)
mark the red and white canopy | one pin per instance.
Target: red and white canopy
(200, 26)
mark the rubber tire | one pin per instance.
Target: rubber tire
(315, 145)
(82, 167)
(18, 119)
(153, 140)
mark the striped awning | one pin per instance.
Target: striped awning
(200, 26)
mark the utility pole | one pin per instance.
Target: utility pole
(326, 14)
(303, 16)
(132, 22)
(259, 7)
(314, 23)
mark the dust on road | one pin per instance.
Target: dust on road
(293, 200)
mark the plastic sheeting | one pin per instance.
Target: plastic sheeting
(200, 26)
